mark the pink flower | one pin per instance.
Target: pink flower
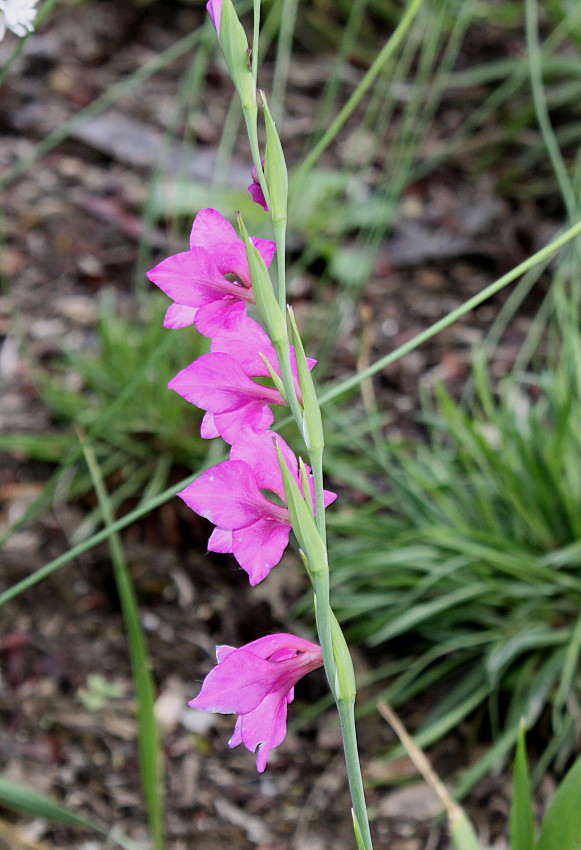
(256, 682)
(197, 279)
(214, 8)
(218, 384)
(221, 382)
(255, 189)
(248, 524)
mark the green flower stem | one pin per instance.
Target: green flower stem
(346, 710)
(283, 354)
(255, 37)
(323, 613)
(279, 228)
(316, 461)
(339, 671)
(250, 118)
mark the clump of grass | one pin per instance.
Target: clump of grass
(116, 394)
(466, 558)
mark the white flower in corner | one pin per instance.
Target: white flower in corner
(17, 15)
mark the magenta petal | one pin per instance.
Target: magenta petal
(258, 450)
(208, 430)
(216, 382)
(246, 341)
(191, 278)
(254, 417)
(179, 316)
(328, 497)
(260, 546)
(237, 685)
(265, 248)
(214, 8)
(223, 651)
(220, 315)
(264, 727)
(220, 541)
(273, 645)
(227, 495)
(258, 195)
(211, 231)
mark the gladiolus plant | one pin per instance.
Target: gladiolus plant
(263, 491)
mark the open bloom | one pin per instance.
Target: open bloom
(17, 15)
(221, 382)
(256, 682)
(211, 281)
(248, 524)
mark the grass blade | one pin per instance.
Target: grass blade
(562, 825)
(20, 798)
(521, 811)
(150, 762)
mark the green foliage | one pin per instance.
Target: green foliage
(465, 558)
(117, 394)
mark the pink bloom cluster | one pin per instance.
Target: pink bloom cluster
(244, 496)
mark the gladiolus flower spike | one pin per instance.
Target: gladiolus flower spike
(256, 682)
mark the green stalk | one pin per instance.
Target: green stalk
(346, 710)
(283, 354)
(250, 117)
(255, 41)
(316, 461)
(279, 228)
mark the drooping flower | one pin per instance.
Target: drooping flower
(256, 682)
(248, 524)
(214, 8)
(210, 282)
(18, 16)
(221, 382)
(255, 189)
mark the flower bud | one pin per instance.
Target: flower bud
(235, 48)
(275, 170)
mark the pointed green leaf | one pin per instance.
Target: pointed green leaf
(302, 521)
(21, 798)
(462, 835)
(312, 421)
(561, 828)
(264, 296)
(357, 831)
(275, 170)
(521, 811)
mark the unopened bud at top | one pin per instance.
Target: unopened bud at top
(235, 48)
